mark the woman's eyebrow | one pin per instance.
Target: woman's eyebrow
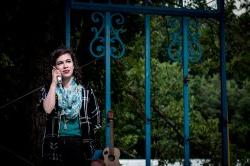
(64, 60)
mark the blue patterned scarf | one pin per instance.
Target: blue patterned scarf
(70, 99)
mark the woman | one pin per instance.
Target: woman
(73, 114)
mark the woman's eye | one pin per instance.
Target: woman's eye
(58, 63)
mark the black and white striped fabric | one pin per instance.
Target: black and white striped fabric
(90, 121)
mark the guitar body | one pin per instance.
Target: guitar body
(111, 156)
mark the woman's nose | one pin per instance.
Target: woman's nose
(65, 65)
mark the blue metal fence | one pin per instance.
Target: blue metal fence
(186, 55)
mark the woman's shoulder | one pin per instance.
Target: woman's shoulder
(87, 87)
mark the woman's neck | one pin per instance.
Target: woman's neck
(67, 82)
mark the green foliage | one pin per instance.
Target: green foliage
(205, 95)
(166, 104)
(26, 43)
(205, 108)
(5, 61)
(239, 109)
(167, 101)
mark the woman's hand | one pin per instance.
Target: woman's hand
(55, 74)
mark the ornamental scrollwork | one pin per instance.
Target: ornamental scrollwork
(97, 44)
(174, 48)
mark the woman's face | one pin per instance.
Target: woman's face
(65, 65)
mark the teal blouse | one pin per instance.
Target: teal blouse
(70, 127)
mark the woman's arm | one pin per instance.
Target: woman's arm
(50, 100)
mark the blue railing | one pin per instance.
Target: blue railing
(181, 49)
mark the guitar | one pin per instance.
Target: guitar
(111, 154)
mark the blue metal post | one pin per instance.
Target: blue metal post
(147, 91)
(67, 22)
(224, 111)
(107, 77)
(185, 57)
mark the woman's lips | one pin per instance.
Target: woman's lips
(66, 71)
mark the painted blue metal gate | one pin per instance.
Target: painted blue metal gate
(148, 10)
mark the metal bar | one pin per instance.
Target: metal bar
(107, 76)
(147, 91)
(224, 111)
(67, 23)
(137, 9)
(185, 57)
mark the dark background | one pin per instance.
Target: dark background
(30, 30)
